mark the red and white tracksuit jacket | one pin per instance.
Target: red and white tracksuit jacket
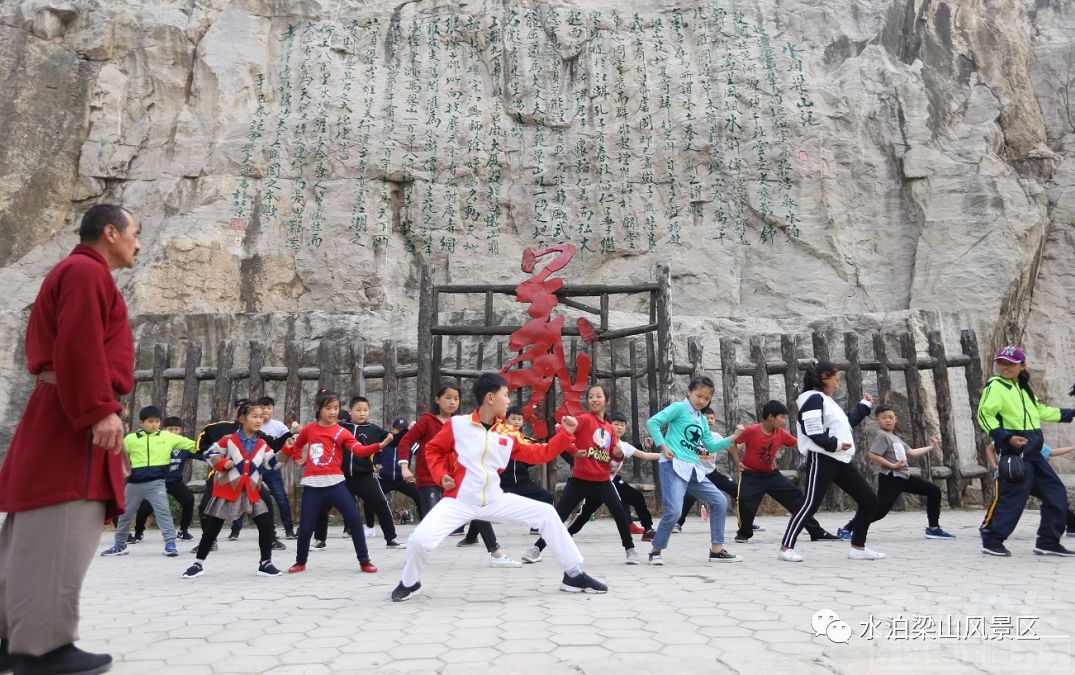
(474, 456)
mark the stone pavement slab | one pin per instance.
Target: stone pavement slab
(930, 606)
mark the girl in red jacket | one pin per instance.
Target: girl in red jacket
(238, 460)
(319, 449)
(596, 447)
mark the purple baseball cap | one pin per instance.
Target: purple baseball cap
(1011, 354)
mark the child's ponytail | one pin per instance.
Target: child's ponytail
(1024, 383)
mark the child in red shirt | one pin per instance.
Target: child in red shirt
(319, 449)
(596, 447)
(761, 444)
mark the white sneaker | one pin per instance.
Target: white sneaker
(632, 557)
(503, 561)
(369, 531)
(864, 554)
(789, 556)
(532, 555)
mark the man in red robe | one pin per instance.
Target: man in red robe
(63, 474)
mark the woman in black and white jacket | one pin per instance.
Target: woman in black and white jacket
(827, 442)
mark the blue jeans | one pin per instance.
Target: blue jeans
(275, 483)
(673, 487)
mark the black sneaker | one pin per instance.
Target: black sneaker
(319, 545)
(724, 556)
(583, 583)
(466, 542)
(826, 536)
(290, 534)
(186, 536)
(997, 550)
(396, 543)
(131, 539)
(278, 545)
(195, 570)
(234, 536)
(1054, 549)
(267, 569)
(741, 540)
(758, 528)
(401, 592)
(66, 659)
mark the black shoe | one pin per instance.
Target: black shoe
(8, 661)
(724, 556)
(234, 536)
(997, 550)
(758, 528)
(401, 592)
(186, 536)
(466, 542)
(742, 540)
(267, 569)
(1054, 549)
(132, 538)
(290, 534)
(278, 545)
(826, 536)
(195, 570)
(66, 659)
(582, 583)
(319, 545)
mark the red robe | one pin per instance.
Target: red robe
(78, 329)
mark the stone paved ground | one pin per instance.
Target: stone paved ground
(689, 615)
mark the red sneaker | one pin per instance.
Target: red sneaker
(367, 566)
(296, 568)
(635, 528)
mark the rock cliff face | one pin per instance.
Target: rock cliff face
(804, 161)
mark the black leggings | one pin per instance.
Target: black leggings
(530, 490)
(236, 524)
(182, 494)
(576, 490)
(313, 498)
(211, 526)
(407, 489)
(889, 489)
(753, 486)
(629, 497)
(368, 489)
(821, 472)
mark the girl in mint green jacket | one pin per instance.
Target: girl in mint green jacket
(681, 433)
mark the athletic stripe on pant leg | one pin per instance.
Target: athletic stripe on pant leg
(738, 501)
(795, 524)
(993, 506)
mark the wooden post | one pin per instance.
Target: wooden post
(854, 395)
(257, 360)
(821, 345)
(161, 360)
(968, 341)
(949, 447)
(664, 330)
(222, 403)
(613, 386)
(358, 367)
(636, 430)
(760, 376)
(694, 356)
(914, 391)
(655, 400)
(189, 410)
(390, 388)
(729, 381)
(884, 379)
(427, 316)
(326, 360)
(792, 382)
(459, 362)
(293, 389)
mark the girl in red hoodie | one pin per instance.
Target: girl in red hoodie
(596, 447)
(429, 491)
(319, 449)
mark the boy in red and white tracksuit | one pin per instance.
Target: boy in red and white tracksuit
(466, 458)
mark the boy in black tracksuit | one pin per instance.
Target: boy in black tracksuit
(515, 478)
(361, 482)
(395, 474)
